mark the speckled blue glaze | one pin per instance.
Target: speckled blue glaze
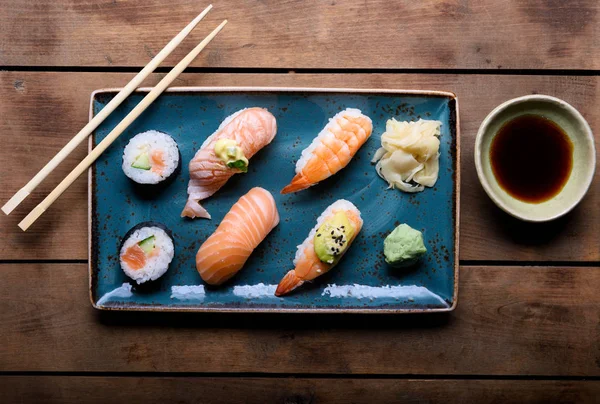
(190, 117)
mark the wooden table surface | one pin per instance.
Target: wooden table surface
(527, 326)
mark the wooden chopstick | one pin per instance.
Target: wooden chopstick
(97, 120)
(107, 141)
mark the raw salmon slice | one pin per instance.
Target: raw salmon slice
(243, 228)
(158, 161)
(135, 257)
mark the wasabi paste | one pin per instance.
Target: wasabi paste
(403, 246)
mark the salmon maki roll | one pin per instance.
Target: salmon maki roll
(326, 244)
(151, 158)
(146, 251)
(332, 149)
(225, 153)
(243, 228)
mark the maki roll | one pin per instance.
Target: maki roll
(146, 251)
(151, 157)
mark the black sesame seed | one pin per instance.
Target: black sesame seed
(318, 235)
(332, 232)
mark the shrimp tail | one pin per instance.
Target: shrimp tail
(299, 182)
(193, 209)
(289, 282)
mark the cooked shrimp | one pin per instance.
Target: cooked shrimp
(308, 266)
(331, 150)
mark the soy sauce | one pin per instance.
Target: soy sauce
(531, 158)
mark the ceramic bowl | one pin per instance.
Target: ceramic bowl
(584, 156)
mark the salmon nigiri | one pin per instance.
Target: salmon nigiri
(332, 149)
(243, 228)
(325, 245)
(225, 153)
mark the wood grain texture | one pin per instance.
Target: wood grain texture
(39, 112)
(183, 390)
(488, 34)
(509, 321)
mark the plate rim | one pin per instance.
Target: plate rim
(231, 89)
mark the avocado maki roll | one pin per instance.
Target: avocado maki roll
(151, 157)
(146, 251)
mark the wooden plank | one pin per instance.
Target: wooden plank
(39, 112)
(486, 34)
(30, 142)
(95, 389)
(509, 321)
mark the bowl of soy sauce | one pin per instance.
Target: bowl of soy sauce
(535, 157)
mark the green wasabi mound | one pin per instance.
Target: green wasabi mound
(403, 246)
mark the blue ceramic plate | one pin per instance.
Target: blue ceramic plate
(362, 282)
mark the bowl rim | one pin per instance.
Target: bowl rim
(483, 130)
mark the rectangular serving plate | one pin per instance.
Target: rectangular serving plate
(361, 283)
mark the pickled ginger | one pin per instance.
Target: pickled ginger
(409, 155)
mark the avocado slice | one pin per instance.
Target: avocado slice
(239, 164)
(147, 244)
(333, 237)
(142, 162)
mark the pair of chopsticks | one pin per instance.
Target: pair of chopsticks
(97, 120)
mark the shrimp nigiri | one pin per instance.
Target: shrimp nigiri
(325, 245)
(225, 153)
(243, 228)
(331, 150)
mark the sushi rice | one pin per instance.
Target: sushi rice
(147, 142)
(340, 204)
(156, 265)
(326, 132)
